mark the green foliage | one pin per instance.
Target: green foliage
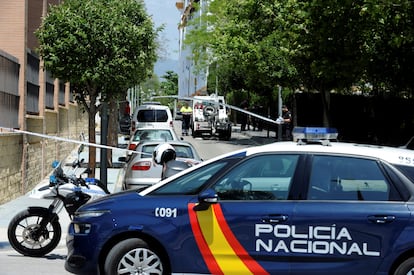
(329, 53)
(170, 85)
(149, 88)
(102, 47)
(391, 43)
(98, 45)
(316, 44)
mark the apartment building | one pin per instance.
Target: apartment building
(191, 80)
(30, 100)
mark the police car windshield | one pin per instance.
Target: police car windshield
(193, 182)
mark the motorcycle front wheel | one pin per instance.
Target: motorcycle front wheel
(28, 238)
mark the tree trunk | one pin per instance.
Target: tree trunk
(326, 104)
(92, 110)
(112, 128)
(92, 139)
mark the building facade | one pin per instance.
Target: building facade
(30, 101)
(191, 80)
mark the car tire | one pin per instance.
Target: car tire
(134, 256)
(406, 267)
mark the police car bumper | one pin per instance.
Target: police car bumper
(77, 263)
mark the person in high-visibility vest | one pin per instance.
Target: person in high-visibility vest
(186, 111)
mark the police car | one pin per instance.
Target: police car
(313, 206)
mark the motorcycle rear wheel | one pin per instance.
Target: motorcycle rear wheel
(26, 237)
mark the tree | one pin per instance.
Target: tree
(389, 50)
(248, 45)
(315, 45)
(102, 47)
(328, 49)
(169, 87)
(149, 88)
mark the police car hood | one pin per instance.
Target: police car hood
(112, 199)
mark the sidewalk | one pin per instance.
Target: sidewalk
(259, 137)
(10, 209)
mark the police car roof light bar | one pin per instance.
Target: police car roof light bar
(314, 134)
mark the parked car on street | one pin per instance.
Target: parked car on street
(313, 206)
(151, 134)
(125, 125)
(152, 115)
(141, 171)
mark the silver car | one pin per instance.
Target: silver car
(141, 171)
(151, 134)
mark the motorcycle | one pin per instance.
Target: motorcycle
(36, 231)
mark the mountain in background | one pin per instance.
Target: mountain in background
(164, 12)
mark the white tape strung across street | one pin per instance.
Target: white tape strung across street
(277, 121)
(67, 140)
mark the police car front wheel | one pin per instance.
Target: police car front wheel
(133, 256)
(406, 267)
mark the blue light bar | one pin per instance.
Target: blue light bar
(314, 133)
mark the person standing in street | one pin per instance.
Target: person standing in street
(244, 117)
(287, 123)
(186, 112)
(127, 110)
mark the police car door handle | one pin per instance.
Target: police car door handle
(381, 219)
(275, 219)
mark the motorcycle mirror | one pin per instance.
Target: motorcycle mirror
(55, 164)
(88, 170)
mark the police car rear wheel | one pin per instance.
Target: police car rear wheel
(406, 267)
(133, 256)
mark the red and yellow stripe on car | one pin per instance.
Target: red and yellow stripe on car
(222, 252)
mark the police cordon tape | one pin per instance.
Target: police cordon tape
(68, 140)
(278, 121)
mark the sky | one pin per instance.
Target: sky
(165, 12)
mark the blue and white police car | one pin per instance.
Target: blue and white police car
(312, 206)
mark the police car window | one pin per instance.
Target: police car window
(191, 183)
(265, 177)
(408, 171)
(347, 178)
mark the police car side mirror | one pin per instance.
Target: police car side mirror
(205, 199)
(208, 196)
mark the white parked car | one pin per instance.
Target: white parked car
(152, 115)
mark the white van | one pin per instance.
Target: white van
(151, 115)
